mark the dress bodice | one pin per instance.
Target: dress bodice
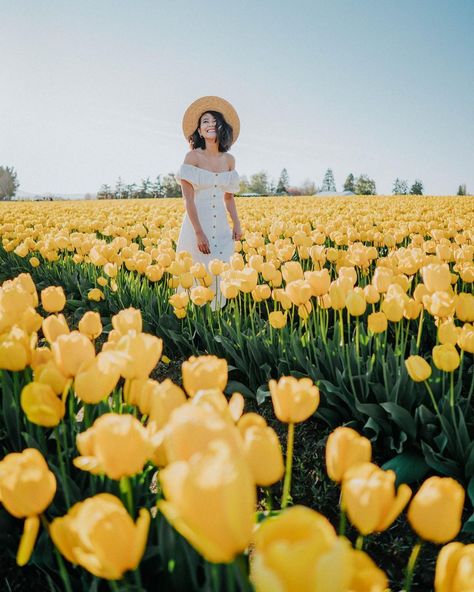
(202, 179)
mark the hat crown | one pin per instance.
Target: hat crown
(210, 103)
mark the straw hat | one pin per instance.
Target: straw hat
(211, 103)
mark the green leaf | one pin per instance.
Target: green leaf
(409, 467)
(401, 417)
(468, 526)
(262, 393)
(234, 385)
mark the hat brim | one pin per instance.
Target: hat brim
(210, 103)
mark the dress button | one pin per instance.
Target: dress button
(215, 185)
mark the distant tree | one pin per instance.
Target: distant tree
(349, 183)
(365, 186)
(144, 190)
(8, 182)
(105, 192)
(462, 190)
(417, 188)
(328, 181)
(283, 183)
(400, 187)
(157, 188)
(308, 187)
(130, 190)
(244, 185)
(88, 196)
(119, 189)
(171, 188)
(259, 183)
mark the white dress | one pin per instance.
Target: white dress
(209, 188)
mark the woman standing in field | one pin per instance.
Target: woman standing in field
(208, 181)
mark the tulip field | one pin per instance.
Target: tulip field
(149, 442)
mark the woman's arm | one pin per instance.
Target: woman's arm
(201, 238)
(232, 209)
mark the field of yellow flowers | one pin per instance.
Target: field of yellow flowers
(356, 312)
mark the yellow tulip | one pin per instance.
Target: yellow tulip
(370, 499)
(436, 277)
(355, 303)
(455, 568)
(128, 319)
(345, 448)
(337, 296)
(294, 400)
(70, 351)
(98, 377)
(377, 322)
(465, 307)
(371, 294)
(418, 368)
(90, 324)
(53, 299)
(27, 486)
(161, 400)
(436, 509)
(262, 451)
(382, 279)
(412, 309)
(277, 319)
(292, 271)
(204, 372)
(216, 266)
(117, 445)
(446, 357)
(210, 500)
(49, 373)
(14, 353)
(319, 281)
(41, 405)
(143, 352)
(205, 423)
(466, 338)
(393, 307)
(53, 326)
(99, 535)
(34, 261)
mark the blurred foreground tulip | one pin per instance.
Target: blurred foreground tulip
(53, 299)
(100, 535)
(204, 372)
(210, 500)
(455, 568)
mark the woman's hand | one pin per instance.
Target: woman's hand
(202, 242)
(237, 232)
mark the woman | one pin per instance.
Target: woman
(208, 181)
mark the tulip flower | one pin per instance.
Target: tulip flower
(455, 568)
(27, 487)
(143, 352)
(210, 500)
(446, 357)
(70, 351)
(99, 535)
(90, 324)
(345, 448)
(204, 372)
(299, 551)
(277, 319)
(436, 277)
(41, 405)
(117, 445)
(128, 319)
(418, 368)
(370, 499)
(465, 307)
(53, 326)
(53, 299)
(435, 511)
(97, 378)
(377, 322)
(466, 338)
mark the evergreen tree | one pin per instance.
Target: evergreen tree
(145, 189)
(8, 182)
(157, 188)
(328, 181)
(349, 184)
(462, 190)
(400, 187)
(365, 186)
(283, 183)
(417, 188)
(119, 189)
(171, 188)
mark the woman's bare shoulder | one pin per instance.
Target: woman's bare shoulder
(191, 158)
(230, 161)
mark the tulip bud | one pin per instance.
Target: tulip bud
(446, 357)
(70, 351)
(41, 405)
(418, 368)
(90, 324)
(345, 448)
(466, 338)
(377, 322)
(370, 499)
(204, 372)
(435, 511)
(53, 299)
(294, 400)
(128, 319)
(277, 319)
(355, 303)
(465, 307)
(53, 326)
(454, 568)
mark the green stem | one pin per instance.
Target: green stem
(359, 542)
(411, 565)
(126, 491)
(62, 467)
(241, 567)
(62, 567)
(113, 586)
(342, 522)
(420, 329)
(289, 465)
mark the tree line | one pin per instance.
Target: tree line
(258, 184)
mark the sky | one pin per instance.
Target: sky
(94, 90)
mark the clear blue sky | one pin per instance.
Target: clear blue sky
(91, 90)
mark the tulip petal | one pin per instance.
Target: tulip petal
(28, 539)
(401, 500)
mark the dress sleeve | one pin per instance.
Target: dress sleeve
(187, 173)
(234, 182)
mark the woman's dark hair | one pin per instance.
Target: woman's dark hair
(224, 133)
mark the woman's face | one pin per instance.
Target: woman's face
(208, 127)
